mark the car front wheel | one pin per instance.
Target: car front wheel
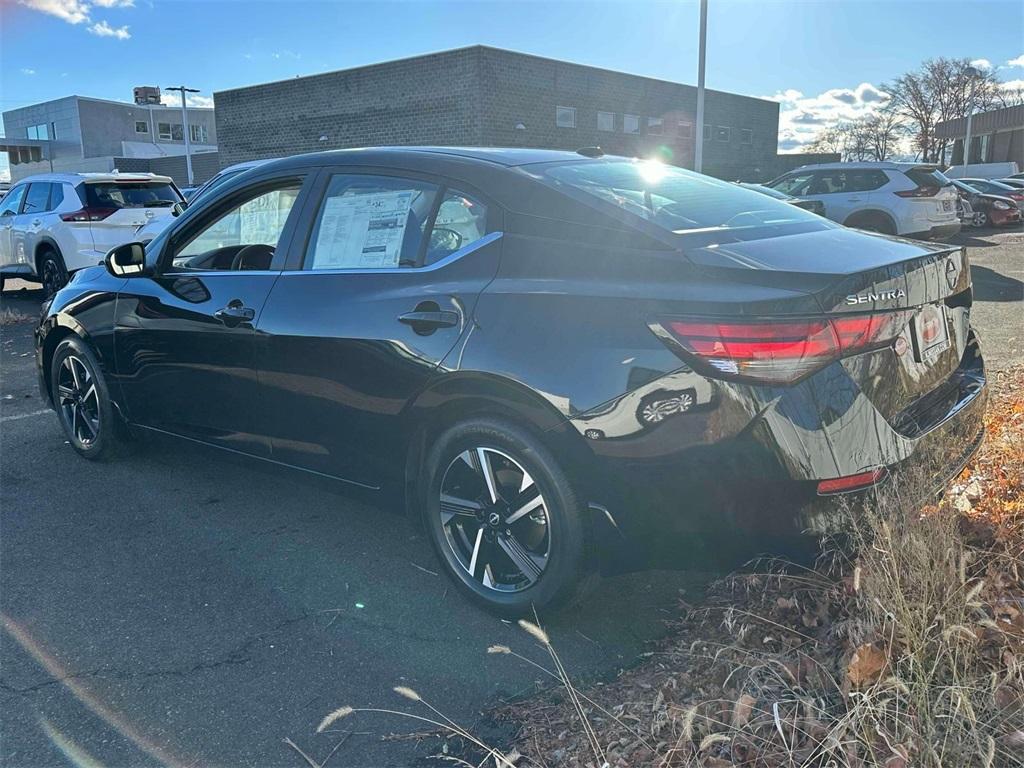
(503, 518)
(82, 401)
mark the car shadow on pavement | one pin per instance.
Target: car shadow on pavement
(990, 285)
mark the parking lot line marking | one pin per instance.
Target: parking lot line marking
(17, 416)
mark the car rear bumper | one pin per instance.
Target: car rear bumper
(733, 475)
(937, 232)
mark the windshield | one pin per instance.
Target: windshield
(673, 198)
(765, 191)
(965, 187)
(131, 194)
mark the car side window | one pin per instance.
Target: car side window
(461, 220)
(12, 201)
(796, 184)
(56, 196)
(829, 183)
(242, 237)
(37, 199)
(370, 222)
(865, 181)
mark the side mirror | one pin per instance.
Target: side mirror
(179, 208)
(128, 260)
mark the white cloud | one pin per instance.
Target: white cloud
(802, 118)
(27, 71)
(173, 99)
(1012, 85)
(71, 11)
(1018, 62)
(79, 12)
(981, 64)
(103, 29)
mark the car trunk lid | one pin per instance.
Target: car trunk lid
(926, 287)
(117, 208)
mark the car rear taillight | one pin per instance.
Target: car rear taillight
(780, 351)
(919, 192)
(88, 214)
(850, 483)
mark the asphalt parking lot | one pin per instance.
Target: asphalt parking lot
(181, 608)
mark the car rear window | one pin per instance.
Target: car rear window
(928, 177)
(675, 199)
(130, 194)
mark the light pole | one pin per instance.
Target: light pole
(972, 73)
(698, 148)
(184, 123)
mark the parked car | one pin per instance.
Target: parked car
(156, 226)
(988, 210)
(908, 199)
(814, 206)
(981, 171)
(547, 356)
(1015, 183)
(999, 189)
(53, 224)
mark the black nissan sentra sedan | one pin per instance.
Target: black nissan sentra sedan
(543, 354)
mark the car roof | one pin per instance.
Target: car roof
(413, 157)
(75, 178)
(886, 165)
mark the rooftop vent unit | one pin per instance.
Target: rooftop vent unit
(146, 94)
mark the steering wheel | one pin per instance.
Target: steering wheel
(253, 257)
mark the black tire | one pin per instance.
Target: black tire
(981, 219)
(77, 384)
(52, 273)
(560, 579)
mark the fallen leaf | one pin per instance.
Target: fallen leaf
(866, 665)
(742, 709)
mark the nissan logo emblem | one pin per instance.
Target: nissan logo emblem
(952, 273)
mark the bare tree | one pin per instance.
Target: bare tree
(881, 132)
(942, 89)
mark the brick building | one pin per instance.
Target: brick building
(481, 96)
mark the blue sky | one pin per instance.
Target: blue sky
(819, 57)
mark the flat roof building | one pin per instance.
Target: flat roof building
(83, 134)
(482, 96)
(997, 136)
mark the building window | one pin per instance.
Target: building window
(630, 124)
(606, 121)
(722, 133)
(163, 130)
(685, 131)
(565, 117)
(654, 126)
(707, 132)
(746, 136)
(197, 133)
(177, 134)
(141, 126)
(39, 132)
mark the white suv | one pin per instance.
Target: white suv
(908, 199)
(55, 223)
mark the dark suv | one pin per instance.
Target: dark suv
(536, 350)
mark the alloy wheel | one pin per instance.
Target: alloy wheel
(51, 278)
(980, 219)
(79, 400)
(495, 520)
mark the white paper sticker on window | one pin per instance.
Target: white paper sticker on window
(362, 231)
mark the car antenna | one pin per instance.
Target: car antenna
(590, 151)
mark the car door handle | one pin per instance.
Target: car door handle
(235, 314)
(428, 319)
